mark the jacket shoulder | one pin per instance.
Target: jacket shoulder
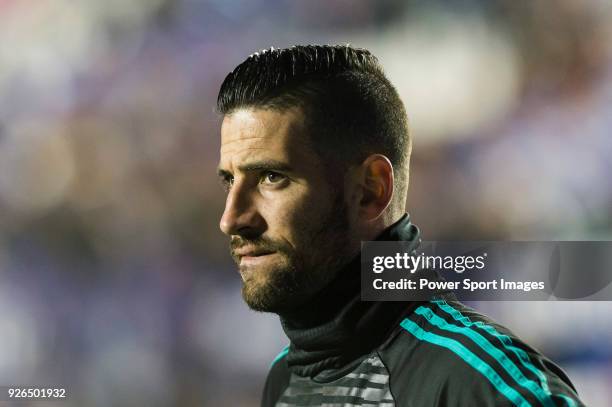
(277, 380)
(445, 353)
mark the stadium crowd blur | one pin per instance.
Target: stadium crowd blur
(115, 281)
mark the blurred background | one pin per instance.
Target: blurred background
(115, 281)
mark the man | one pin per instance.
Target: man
(314, 158)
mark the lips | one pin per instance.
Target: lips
(259, 254)
(251, 253)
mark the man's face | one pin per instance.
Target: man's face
(287, 222)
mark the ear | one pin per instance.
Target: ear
(377, 186)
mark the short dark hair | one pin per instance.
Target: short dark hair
(351, 109)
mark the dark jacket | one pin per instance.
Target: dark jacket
(346, 352)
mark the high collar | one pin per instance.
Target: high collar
(336, 327)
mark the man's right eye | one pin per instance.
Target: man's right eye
(227, 181)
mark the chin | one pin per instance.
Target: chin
(268, 294)
(282, 287)
(264, 299)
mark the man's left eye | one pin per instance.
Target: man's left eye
(271, 177)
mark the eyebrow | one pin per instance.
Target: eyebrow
(265, 165)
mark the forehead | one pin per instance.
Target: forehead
(254, 134)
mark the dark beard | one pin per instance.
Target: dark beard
(304, 274)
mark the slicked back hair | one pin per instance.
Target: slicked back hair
(351, 109)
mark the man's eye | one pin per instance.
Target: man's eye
(227, 182)
(272, 177)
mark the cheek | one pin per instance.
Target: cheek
(291, 217)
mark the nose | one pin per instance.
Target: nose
(241, 216)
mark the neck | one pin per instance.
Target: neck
(373, 229)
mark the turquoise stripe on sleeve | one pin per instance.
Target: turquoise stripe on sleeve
(506, 341)
(464, 353)
(493, 351)
(520, 353)
(570, 402)
(281, 355)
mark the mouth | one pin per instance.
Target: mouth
(250, 255)
(250, 262)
